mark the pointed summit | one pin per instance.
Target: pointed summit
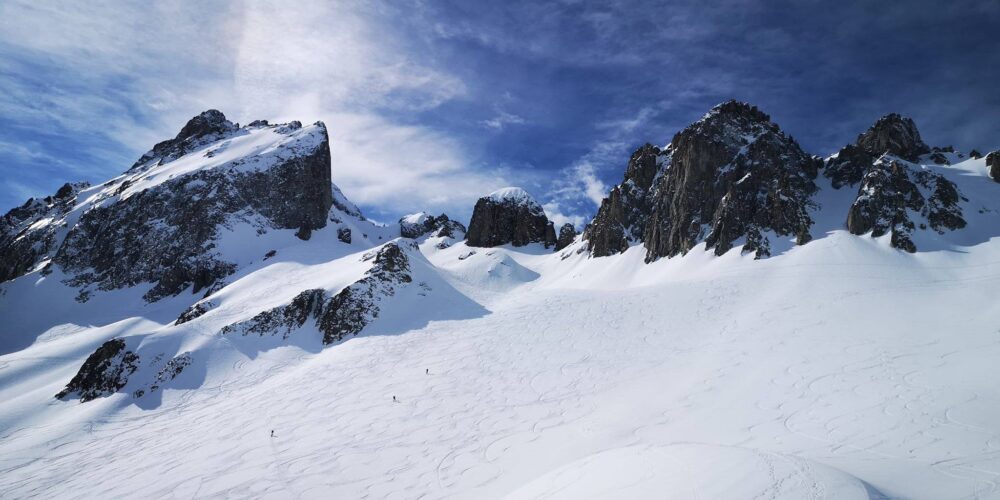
(894, 134)
(208, 122)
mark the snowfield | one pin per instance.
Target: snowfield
(842, 368)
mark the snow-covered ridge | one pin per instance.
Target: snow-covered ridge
(253, 147)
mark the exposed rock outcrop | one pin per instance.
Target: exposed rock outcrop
(993, 165)
(895, 198)
(624, 214)
(103, 373)
(344, 314)
(567, 233)
(731, 177)
(208, 127)
(282, 319)
(26, 239)
(420, 224)
(509, 215)
(892, 134)
(550, 235)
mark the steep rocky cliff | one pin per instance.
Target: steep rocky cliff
(733, 177)
(509, 215)
(624, 214)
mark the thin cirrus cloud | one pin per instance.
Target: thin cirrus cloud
(430, 104)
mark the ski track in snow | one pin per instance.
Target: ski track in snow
(798, 360)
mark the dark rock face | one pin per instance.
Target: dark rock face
(342, 315)
(421, 224)
(624, 214)
(892, 134)
(733, 175)
(282, 319)
(508, 216)
(103, 373)
(344, 234)
(23, 244)
(896, 135)
(170, 370)
(993, 165)
(893, 197)
(550, 235)
(195, 311)
(567, 233)
(354, 307)
(891, 191)
(975, 154)
(166, 234)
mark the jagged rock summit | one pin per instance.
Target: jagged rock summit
(509, 215)
(892, 134)
(896, 196)
(421, 224)
(731, 177)
(734, 178)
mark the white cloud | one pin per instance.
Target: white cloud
(501, 120)
(133, 73)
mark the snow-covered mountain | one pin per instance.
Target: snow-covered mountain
(740, 319)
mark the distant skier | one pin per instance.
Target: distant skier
(394, 400)
(427, 371)
(272, 432)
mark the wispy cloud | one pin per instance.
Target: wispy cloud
(502, 120)
(433, 103)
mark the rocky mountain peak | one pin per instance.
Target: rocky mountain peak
(208, 122)
(733, 175)
(508, 215)
(423, 223)
(642, 166)
(514, 195)
(206, 127)
(894, 134)
(737, 110)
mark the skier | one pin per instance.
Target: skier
(272, 432)
(394, 399)
(427, 371)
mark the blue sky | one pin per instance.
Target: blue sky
(431, 104)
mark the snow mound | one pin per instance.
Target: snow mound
(417, 218)
(694, 471)
(514, 194)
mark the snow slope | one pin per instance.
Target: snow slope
(842, 368)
